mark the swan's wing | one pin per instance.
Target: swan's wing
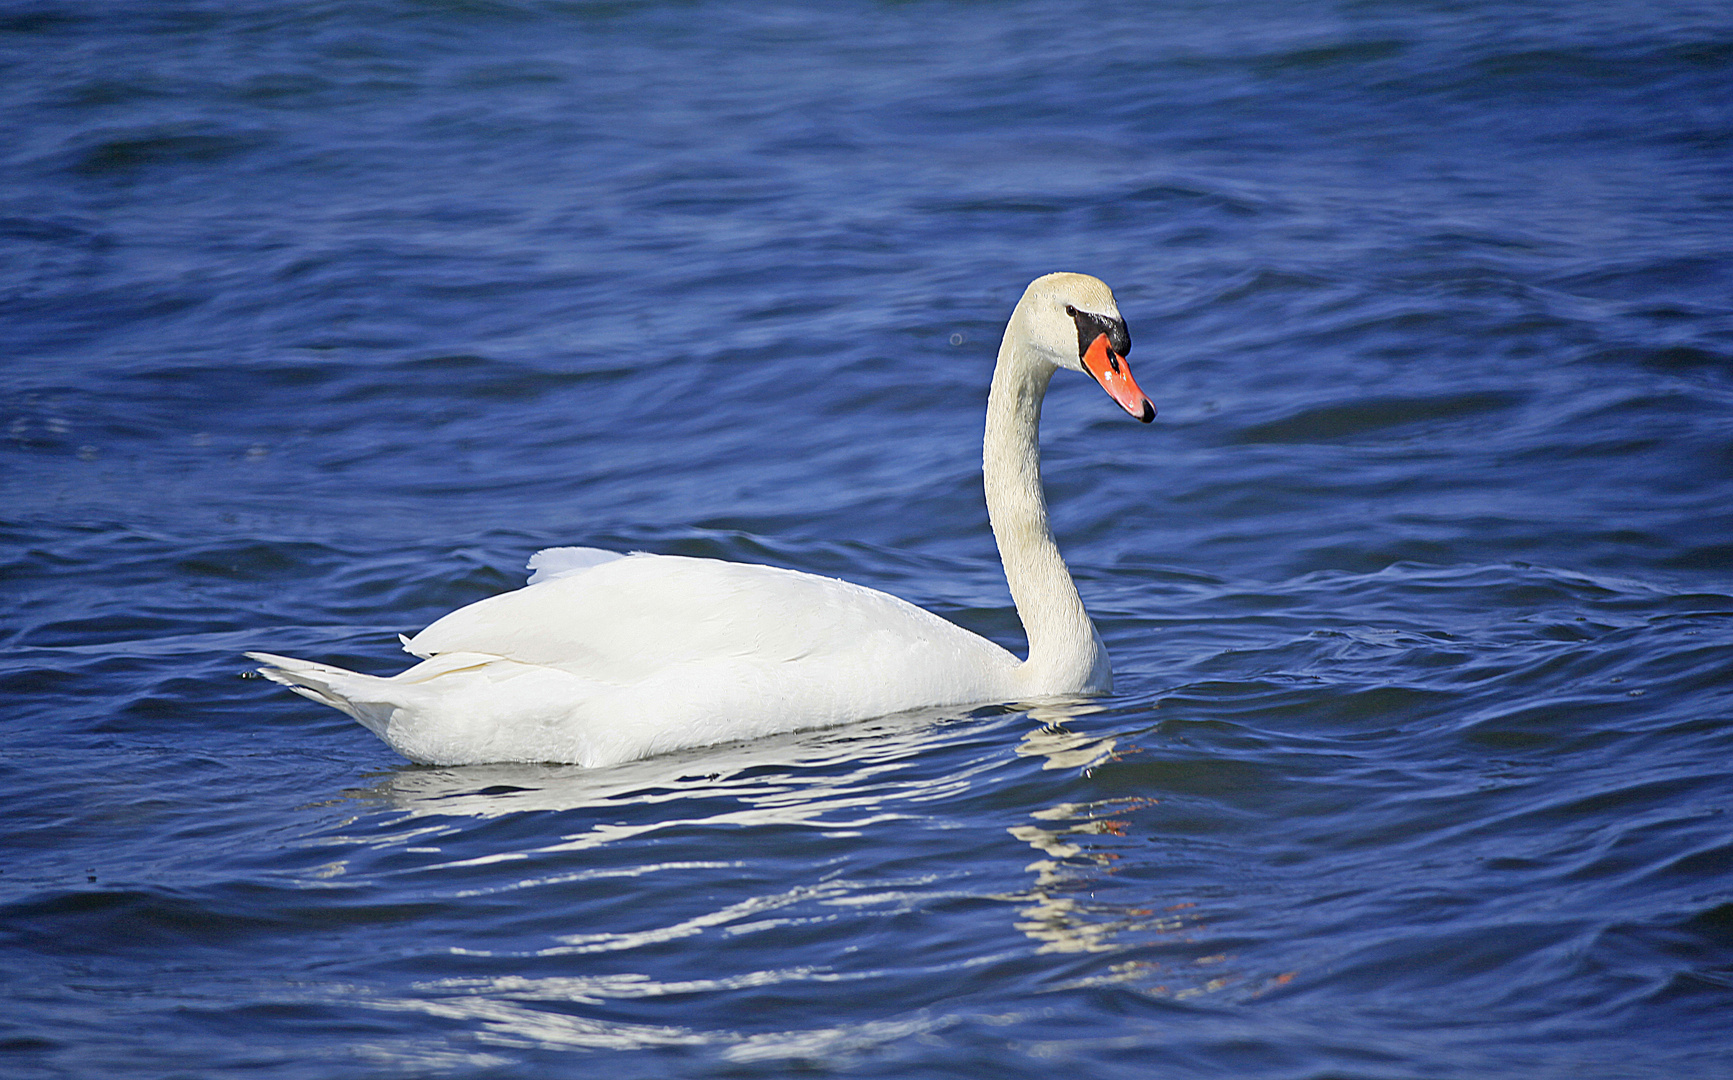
(625, 619)
(551, 563)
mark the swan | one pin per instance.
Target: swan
(603, 658)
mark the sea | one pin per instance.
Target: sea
(319, 317)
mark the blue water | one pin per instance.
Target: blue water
(317, 318)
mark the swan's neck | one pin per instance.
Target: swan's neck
(1065, 655)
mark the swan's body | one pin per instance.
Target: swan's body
(605, 658)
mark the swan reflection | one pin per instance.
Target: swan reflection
(1080, 848)
(647, 842)
(1053, 916)
(781, 779)
(1056, 918)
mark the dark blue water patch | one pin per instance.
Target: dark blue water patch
(124, 153)
(1336, 424)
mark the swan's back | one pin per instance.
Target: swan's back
(623, 620)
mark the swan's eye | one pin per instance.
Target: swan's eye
(1091, 326)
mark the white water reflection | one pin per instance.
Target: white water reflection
(512, 1012)
(842, 778)
(1078, 845)
(1053, 915)
(1082, 846)
(841, 782)
(1063, 748)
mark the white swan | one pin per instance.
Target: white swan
(604, 658)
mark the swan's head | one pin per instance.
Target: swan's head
(1071, 321)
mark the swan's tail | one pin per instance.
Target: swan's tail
(328, 685)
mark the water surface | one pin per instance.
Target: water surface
(319, 318)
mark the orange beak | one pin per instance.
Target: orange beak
(1110, 371)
